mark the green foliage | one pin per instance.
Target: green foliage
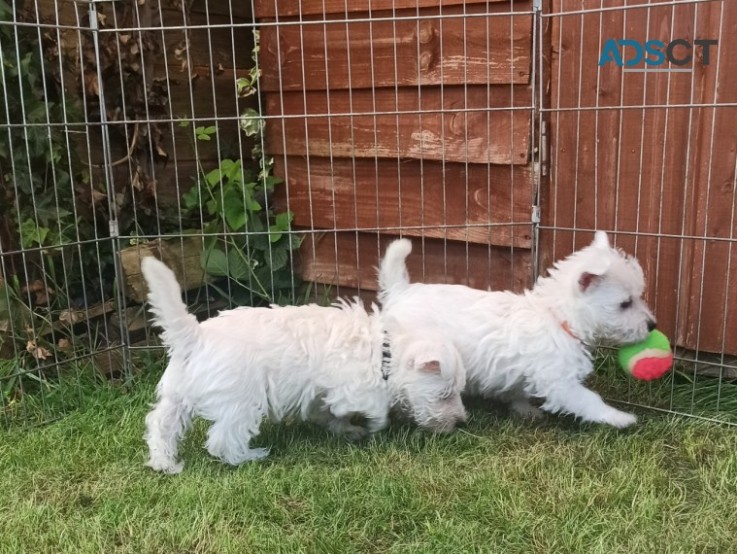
(247, 243)
(37, 169)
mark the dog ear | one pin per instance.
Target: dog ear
(430, 366)
(594, 272)
(587, 279)
(594, 268)
(601, 240)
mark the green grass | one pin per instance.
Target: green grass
(500, 485)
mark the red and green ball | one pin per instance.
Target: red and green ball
(647, 360)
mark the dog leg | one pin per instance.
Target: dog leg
(228, 439)
(522, 407)
(587, 405)
(343, 426)
(377, 421)
(374, 408)
(165, 426)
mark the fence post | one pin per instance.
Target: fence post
(538, 143)
(110, 191)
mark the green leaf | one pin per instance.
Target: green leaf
(32, 234)
(277, 259)
(284, 219)
(215, 263)
(205, 133)
(295, 241)
(253, 205)
(191, 198)
(275, 233)
(251, 122)
(238, 268)
(270, 181)
(235, 215)
(213, 177)
(212, 207)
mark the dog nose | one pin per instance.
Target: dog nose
(651, 324)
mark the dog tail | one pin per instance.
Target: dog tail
(393, 275)
(181, 328)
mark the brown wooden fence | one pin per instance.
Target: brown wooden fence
(383, 126)
(662, 176)
(416, 117)
(384, 130)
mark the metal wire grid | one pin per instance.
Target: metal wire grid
(691, 361)
(73, 249)
(537, 110)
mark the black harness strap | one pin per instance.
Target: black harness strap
(386, 357)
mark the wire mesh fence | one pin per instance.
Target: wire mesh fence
(268, 151)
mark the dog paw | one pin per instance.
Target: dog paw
(255, 454)
(525, 410)
(349, 431)
(166, 466)
(356, 434)
(620, 420)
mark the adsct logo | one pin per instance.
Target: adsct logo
(628, 53)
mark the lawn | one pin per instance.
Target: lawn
(500, 485)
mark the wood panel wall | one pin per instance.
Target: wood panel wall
(663, 178)
(403, 117)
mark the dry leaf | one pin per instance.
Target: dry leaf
(70, 317)
(98, 196)
(136, 181)
(64, 345)
(91, 84)
(41, 291)
(38, 352)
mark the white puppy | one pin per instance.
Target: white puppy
(537, 344)
(329, 364)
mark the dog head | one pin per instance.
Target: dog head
(600, 290)
(427, 378)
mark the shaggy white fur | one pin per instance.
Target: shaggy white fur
(537, 344)
(321, 363)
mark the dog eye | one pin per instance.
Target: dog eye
(626, 304)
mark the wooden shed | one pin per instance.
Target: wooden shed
(418, 117)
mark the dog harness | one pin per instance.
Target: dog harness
(386, 356)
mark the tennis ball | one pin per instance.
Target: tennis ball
(649, 359)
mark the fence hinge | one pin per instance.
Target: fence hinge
(114, 229)
(543, 154)
(537, 5)
(535, 215)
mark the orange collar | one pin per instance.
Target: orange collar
(567, 328)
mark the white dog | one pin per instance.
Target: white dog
(329, 364)
(537, 344)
